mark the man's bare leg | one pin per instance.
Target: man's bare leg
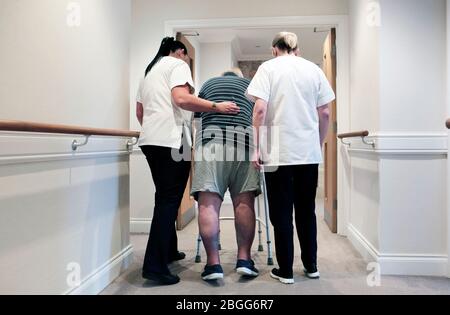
(209, 225)
(245, 223)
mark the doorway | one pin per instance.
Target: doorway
(334, 60)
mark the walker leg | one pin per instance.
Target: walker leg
(266, 210)
(260, 244)
(198, 257)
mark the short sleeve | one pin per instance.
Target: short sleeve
(180, 76)
(139, 98)
(260, 85)
(325, 94)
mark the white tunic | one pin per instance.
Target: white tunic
(294, 89)
(164, 121)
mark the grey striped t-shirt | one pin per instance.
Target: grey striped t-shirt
(231, 128)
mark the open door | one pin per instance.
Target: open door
(330, 146)
(186, 213)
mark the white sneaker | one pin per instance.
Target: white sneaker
(313, 274)
(275, 274)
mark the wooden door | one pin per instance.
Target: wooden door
(191, 52)
(186, 213)
(330, 146)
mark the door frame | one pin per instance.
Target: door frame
(330, 144)
(340, 22)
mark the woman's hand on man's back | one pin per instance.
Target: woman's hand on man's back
(229, 108)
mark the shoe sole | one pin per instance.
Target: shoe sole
(159, 281)
(213, 277)
(313, 276)
(246, 272)
(282, 280)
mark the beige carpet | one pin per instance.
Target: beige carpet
(342, 268)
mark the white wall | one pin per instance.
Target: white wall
(56, 74)
(412, 52)
(148, 19)
(363, 170)
(58, 207)
(365, 68)
(398, 199)
(216, 59)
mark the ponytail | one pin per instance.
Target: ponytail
(168, 45)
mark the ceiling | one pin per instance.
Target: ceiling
(255, 44)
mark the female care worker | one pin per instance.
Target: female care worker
(165, 101)
(292, 97)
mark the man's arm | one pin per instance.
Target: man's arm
(259, 117)
(324, 122)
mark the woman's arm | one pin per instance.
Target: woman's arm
(259, 116)
(140, 112)
(184, 99)
(324, 122)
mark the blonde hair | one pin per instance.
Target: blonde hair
(286, 41)
(235, 71)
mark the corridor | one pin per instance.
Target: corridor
(364, 92)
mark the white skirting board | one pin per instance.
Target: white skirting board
(140, 226)
(399, 264)
(97, 281)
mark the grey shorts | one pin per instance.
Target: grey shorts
(217, 175)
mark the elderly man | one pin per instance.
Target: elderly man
(223, 161)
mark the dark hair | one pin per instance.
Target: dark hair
(168, 45)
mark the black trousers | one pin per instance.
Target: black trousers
(170, 179)
(289, 187)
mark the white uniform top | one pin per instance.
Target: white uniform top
(294, 88)
(164, 122)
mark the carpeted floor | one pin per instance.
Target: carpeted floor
(342, 269)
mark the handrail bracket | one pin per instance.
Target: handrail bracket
(360, 134)
(131, 143)
(349, 143)
(365, 141)
(76, 144)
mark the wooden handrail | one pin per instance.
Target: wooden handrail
(358, 134)
(24, 126)
(447, 123)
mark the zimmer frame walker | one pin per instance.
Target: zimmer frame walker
(260, 222)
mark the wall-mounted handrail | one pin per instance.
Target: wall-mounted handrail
(26, 126)
(447, 123)
(357, 134)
